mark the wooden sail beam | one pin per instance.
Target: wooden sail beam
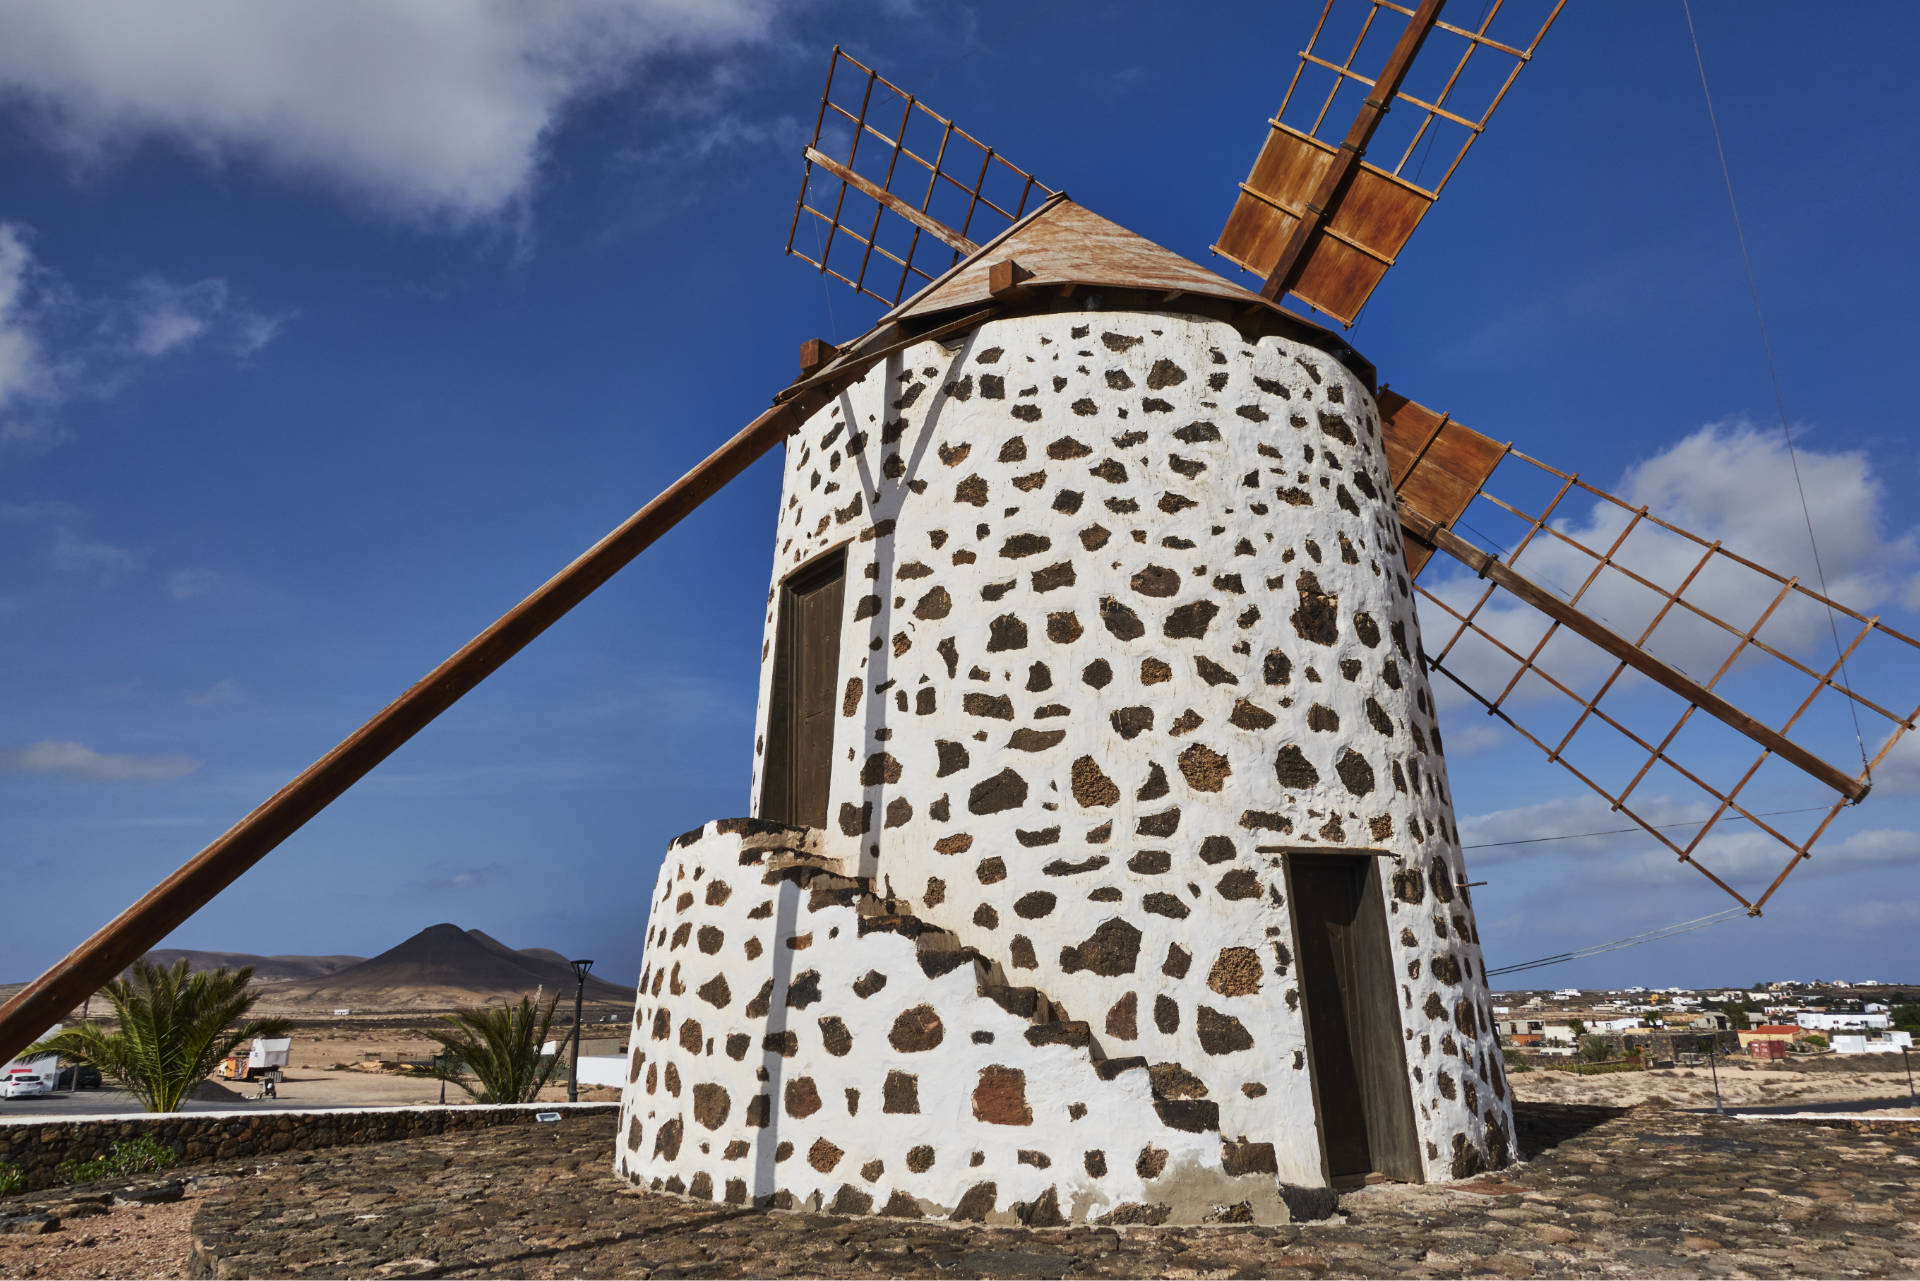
(1346, 162)
(1492, 568)
(880, 195)
(120, 942)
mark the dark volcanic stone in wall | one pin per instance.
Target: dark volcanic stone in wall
(1111, 950)
(1003, 791)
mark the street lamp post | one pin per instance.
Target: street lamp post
(580, 969)
(1713, 1047)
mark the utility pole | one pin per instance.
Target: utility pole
(580, 969)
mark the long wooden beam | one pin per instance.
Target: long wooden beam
(932, 226)
(1346, 162)
(1489, 566)
(116, 945)
(121, 941)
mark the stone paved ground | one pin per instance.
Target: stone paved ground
(1642, 1193)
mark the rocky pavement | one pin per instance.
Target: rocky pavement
(1646, 1192)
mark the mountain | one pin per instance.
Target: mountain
(444, 964)
(266, 969)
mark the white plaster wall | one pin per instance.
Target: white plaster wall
(997, 501)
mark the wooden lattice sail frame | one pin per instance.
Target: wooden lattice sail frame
(1316, 219)
(1443, 469)
(940, 205)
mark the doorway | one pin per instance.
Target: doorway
(806, 664)
(1365, 1111)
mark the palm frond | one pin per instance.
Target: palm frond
(172, 1030)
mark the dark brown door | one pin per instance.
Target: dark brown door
(1353, 1030)
(800, 718)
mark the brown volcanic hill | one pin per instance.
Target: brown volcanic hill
(445, 964)
(266, 969)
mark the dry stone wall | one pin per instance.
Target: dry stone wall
(37, 1147)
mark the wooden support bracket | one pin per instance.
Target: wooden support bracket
(814, 353)
(1005, 276)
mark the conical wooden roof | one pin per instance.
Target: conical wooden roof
(1063, 243)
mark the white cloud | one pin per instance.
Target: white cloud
(424, 107)
(77, 554)
(55, 344)
(74, 760)
(185, 584)
(222, 693)
(1727, 482)
(24, 372)
(456, 880)
(28, 513)
(1899, 773)
(164, 316)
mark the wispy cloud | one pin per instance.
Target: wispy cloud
(56, 345)
(75, 760)
(74, 553)
(222, 693)
(185, 584)
(458, 880)
(25, 374)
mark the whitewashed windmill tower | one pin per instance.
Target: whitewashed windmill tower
(1090, 688)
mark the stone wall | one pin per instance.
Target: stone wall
(38, 1147)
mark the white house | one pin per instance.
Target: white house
(1823, 1021)
(1861, 1043)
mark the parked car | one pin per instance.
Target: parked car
(27, 1078)
(78, 1076)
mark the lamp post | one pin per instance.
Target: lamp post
(1713, 1047)
(580, 969)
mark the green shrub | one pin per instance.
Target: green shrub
(11, 1179)
(134, 1156)
(1513, 1060)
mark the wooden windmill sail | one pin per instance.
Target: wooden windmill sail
(1322, 223)
(909, 209)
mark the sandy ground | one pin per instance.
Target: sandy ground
(331, 1067)
(1741, 1085)
(127, 1241)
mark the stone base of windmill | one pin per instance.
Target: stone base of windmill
(872, 1063)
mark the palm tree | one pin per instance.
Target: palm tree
(500, 1048)
(172, 1028)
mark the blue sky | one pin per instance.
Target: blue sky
(326, 333)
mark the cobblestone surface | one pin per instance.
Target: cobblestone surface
(1643, 1193)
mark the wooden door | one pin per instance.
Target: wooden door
(1353, 1028)
(800, 716)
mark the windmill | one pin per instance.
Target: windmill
(1102, 862)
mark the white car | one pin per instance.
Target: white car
(26, 1080)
